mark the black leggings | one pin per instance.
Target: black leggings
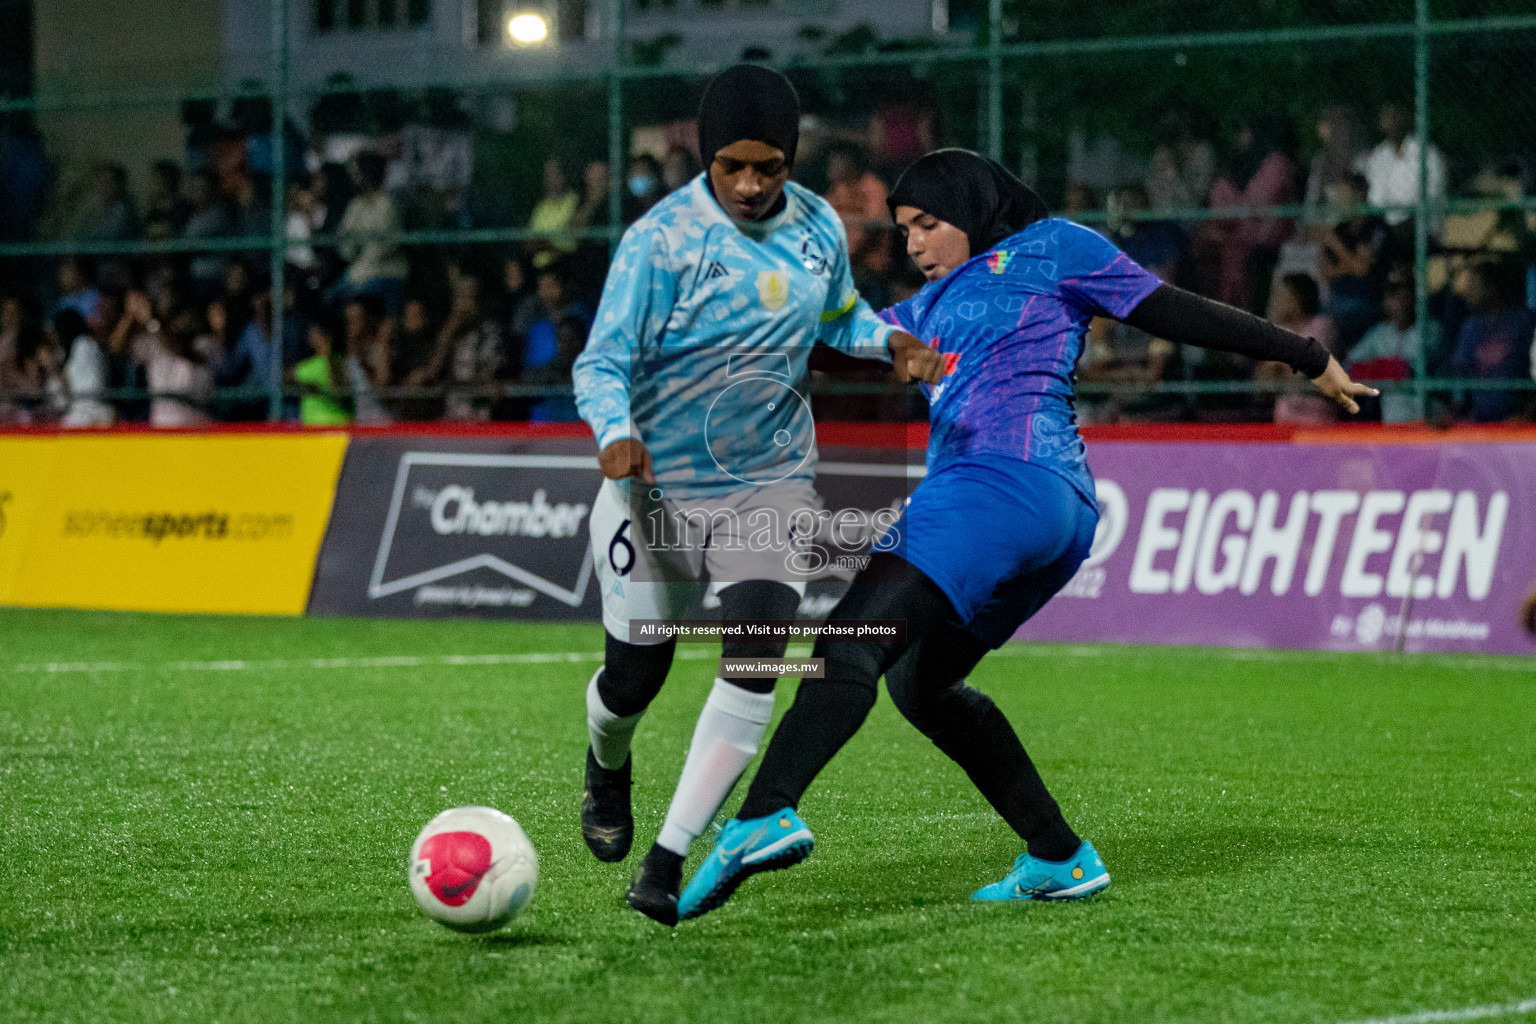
(633, 673)
(925, 675)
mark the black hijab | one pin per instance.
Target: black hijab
(971, 192)
(749, 101)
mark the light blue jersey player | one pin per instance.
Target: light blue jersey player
(697, 302)
(692, 383)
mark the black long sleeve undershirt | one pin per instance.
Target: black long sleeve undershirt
(1174, 314)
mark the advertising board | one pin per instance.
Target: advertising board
(180, 523)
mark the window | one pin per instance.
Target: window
(488, 21)
(379, 15)
(571, 19)
(15, 48)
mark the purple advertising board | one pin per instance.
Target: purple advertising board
(1335, 546)
(1348, 547)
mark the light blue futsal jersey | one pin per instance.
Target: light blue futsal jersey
(1011, 323)
(700, 343)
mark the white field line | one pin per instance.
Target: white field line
(692, 652)
(1466, 1013)
(389, 661)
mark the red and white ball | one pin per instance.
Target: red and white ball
(473, 869)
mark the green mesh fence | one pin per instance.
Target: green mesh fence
(1132, 117)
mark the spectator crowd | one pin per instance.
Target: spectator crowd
(376, 331)
(1341, 272)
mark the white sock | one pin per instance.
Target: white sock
(730, 730)
(610, 733)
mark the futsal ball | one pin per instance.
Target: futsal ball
(473, 869)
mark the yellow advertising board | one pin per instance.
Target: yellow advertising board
(173, 523)
(26, 464)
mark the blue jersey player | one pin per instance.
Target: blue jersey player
(689, 381)
(1002, 520)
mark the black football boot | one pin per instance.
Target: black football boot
(653, 891)
(607, 822)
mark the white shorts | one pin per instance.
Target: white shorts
(658, 558)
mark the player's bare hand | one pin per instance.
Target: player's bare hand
(913, 360)
(1335, 383)
(1528, 614)
(624, 458)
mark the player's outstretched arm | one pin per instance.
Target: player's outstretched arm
(857, 330)
(1335, 383)
(849, 325)
(1189, 319)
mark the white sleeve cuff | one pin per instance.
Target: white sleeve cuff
(883, 338)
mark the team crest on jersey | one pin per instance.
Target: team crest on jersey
(998, 261)
(773, 289)
(951, 359)
(951, 363)
(811, 255)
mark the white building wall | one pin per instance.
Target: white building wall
(447, 51)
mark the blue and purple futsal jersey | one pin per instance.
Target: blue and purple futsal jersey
(1011, 323)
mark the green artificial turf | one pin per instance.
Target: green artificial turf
(1292, 838)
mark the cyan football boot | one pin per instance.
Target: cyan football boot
(1081, 874)
(744, 849)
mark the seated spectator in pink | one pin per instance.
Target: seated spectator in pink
(1295, 304)
(1240, 254)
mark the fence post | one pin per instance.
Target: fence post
(1421, 210)
(618, 171)
(278, 241)
(995, 80)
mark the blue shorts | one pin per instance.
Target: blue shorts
(1000, 536)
